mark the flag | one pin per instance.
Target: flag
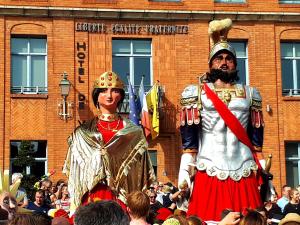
(152, 102)
(133, 114)
(145, 120)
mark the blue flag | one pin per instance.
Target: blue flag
(133, 114)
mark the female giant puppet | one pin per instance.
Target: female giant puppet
(107, 156)
(221, 128)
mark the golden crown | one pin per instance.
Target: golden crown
(109, 79)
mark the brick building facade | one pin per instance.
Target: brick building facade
(77, 38)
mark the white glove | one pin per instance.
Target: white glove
(186, 163)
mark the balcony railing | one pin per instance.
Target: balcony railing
(291, 92)
(29, 90)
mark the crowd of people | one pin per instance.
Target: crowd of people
(161, 203)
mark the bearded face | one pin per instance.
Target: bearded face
(225, 76)
(8, 203)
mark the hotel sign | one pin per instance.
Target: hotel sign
(134, 28)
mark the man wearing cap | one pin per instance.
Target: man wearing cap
(221, 128)
(107, 156)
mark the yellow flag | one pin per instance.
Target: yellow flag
(152, 102)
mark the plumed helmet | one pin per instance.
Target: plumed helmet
(218, 31)
(109, 79)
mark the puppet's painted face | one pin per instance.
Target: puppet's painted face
(8, 203)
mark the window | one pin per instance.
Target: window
(290, 68)
(153, 157)
(242, 60)
(230, 1)
(292, 158)
(28, 65)
(132, 59)
(289, 1)
(38, 151)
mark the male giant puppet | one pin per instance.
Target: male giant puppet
(221, 128)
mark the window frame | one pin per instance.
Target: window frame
(296, 85)
(131, 56)
(293, 159)
(29, 88)
(288, 1)
(245, 58)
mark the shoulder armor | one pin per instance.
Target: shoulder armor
(256, 100)
(189, 96)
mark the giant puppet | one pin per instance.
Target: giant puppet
(221, 129)
(107, 156)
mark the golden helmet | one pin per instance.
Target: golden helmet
(109, 79)
(218, 32)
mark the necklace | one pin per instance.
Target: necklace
(115, 129)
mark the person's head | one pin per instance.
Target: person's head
(101, 213)
(194, 220)
(108, 92)
(46, 185)
(274, 198)
(286, 191)
(294, 195)
(176, 220)
(39, 197)
(15, 177)
(138, 204)
(8, 203)
(152, 196)
(60, 221)
(290, 219)
(23, 219)
(253, 218)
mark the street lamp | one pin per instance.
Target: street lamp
(65, 108)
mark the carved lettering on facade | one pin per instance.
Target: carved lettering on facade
(136, 29)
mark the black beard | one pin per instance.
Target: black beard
(227, 77)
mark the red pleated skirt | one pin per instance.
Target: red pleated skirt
(211, 196)
(101, 192)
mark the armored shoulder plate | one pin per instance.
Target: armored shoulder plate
(256, 100)
(189, 96)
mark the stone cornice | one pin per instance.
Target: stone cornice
(132, 14)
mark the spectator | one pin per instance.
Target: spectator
(293, 206)
(46, 185)
(63, 201)
(176, 220)
(285, 198)
(105, 212)
(194, 220)
(166, 197)
(231, 218)
(273, 210)
(181, 197)
(138, 205)
(253, 218)
(23, 202)
(8, 203)
(39, 205)
(28, 219)
(60, 221)
(290, 219)
(154, 204)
